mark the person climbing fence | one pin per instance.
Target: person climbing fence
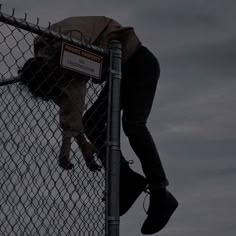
(140, 74)
(43, 76)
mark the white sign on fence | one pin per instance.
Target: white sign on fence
(81, 60)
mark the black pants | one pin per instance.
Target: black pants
(139, 79)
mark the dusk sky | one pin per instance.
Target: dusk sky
(193, 116)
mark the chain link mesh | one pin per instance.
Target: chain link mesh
(37, 197)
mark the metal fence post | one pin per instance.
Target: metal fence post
(113, 158)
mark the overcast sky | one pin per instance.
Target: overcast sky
(193, 117)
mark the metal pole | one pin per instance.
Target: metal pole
(113, 154)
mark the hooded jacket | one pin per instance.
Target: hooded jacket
(96, 30)
(99, 31)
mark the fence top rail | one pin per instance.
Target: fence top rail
(47, 32)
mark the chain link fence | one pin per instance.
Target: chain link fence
(37, 196)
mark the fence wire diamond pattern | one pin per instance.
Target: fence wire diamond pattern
(37, 197)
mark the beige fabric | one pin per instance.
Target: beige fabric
(72, 105)
(98, 30)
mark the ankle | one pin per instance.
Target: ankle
(158, 195)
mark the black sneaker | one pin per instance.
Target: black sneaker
(162, 206)
(132, 185)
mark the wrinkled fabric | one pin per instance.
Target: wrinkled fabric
(140, 76)
(72, 105)
(97, 30)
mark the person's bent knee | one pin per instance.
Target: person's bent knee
(133, 128)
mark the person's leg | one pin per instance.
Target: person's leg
(95, 123)
(132, 184)
(138, 90)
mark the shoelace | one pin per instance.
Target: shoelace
(130, 162)
(147, 191)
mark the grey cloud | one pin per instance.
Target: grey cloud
(217, 57)
(170, 26)
(200, 113)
